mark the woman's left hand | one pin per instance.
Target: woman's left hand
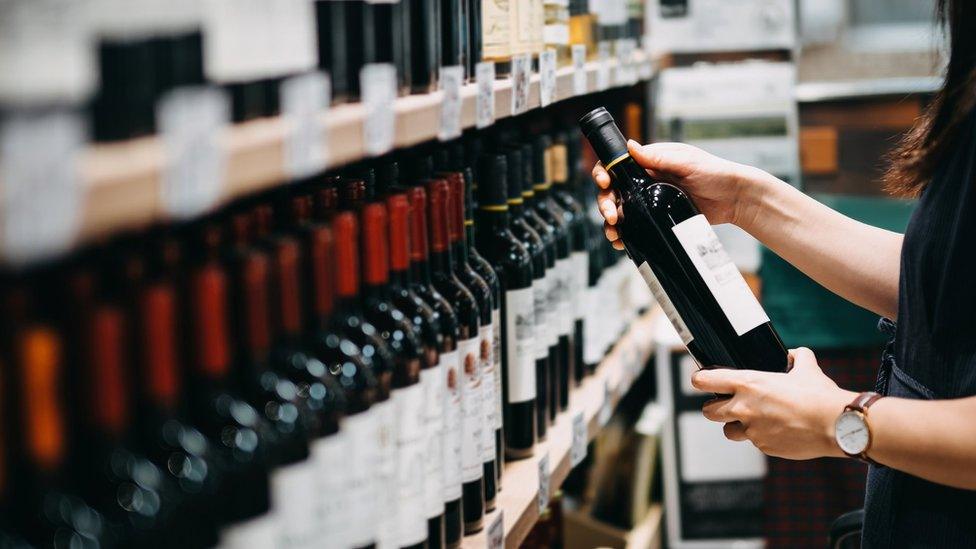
(785, 415)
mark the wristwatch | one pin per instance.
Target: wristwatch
(851, 430)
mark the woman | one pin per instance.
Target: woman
(921, 488)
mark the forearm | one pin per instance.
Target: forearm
(855, 261)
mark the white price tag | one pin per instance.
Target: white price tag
(378, 86)
(603, 66)
(39, 188)
(577, 452)
(495, 535)
(606, 409)
(521, 77)
(485, 104)
(303, 99)
(544, 483)
(547, 77)
(451, 80)
(580, 83)
(190, 121)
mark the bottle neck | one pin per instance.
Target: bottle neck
(420, 271)
(401, 278)
(493, 218)
(516, 208)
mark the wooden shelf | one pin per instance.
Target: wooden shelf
(518, 500)
(122, 181)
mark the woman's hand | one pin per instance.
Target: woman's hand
(785, 415)
(715, 185)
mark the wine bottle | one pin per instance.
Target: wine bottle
(513, 265)
(466, 388)
(333, 39)
(452, 33)
(700, 289)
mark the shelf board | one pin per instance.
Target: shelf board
(520, 481)
(122, 180)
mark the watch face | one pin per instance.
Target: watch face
(851, 433)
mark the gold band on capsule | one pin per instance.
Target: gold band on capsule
(494, 208)
(542, 186)
(616, 161)
(528, 194)
(516, 201)
(470, 222)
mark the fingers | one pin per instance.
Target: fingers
(663, 159)
(735, 431)
(719, 410)
(607, 201)
(802, 359)
(601, 176)
(611, 232)
(723, 381)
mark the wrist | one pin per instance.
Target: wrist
(754, 188)
(830, 411)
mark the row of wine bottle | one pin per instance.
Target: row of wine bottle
(346, 362)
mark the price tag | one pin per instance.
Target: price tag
(577, 452)
(606, 409)
(620, 73)
(40, 194)
(544, 475)
(485, 104)
(495, 535)
(521, 77)
(303, 99)
(547, 77)
(580, 83)
(190, 121)
(451, 80)
(603, 66)
(378, 84)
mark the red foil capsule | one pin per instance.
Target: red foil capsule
(157, 311)
(286, 259)
(455, 228)
(399, 211)
(417, 197)
(376, 253)
(321, 271)
(345, 231)
(109, 403)
(208, 299)
(438, 203)
(255, 277)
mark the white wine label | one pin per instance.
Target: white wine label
(485, 102)
(580, 80)
(190, 121)
(544, 482)
(331, 454)
(553, 280)
(303, 100)
(410, 467)
(565, 316)
(540, 297)
(453, 438)
(521, 78)
(432, 381)
(547, 77)
(488, 391)
(260, 531)
(520, 347)
(379, 88)
(577, 451)
(496, 354)
(592, 328)
(294, 497)
(362, 483)
(474, 418)
(603, 66)
(665, 302)
(581, 278)
(451, 80)
(720, 274)
(385, 508)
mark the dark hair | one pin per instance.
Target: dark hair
(927, 145)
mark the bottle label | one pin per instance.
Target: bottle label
(488, 390)
(259, 531)
(432, 381)
(474, 418)
(553, 328)
(408, 404)
(564, 268)
(665, 302)
(496, 355)
(581, 278)
(720, 274)
(592, 331)
(540, 297)
(294, 496)
(384, 506)
(361, 479)
(331, 454)
(451, 379)
(520, 345)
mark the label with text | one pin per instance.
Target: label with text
(520, 348)
(485, 101)
(303, 100)
(378, 83)
(665, 302)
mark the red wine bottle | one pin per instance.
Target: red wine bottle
(466, 388)
(513, 264)
(695, 281)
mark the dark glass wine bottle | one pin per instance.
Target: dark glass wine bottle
(452, 33)
(512, 262)
(424, 40)
(694, 280)
(333, 39)
(466, 387)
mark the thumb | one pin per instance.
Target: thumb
(662, 159)
(803, 360)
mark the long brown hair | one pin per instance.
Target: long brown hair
(924, 148)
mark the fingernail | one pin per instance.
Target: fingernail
(632, 143)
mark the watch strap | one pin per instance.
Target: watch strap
(861, 404)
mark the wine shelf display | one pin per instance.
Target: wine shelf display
(598, 394)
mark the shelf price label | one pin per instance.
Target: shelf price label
(451, 81)
(603, 66)
(547, 77)
(577, 451)
(521, 78)
(303, 99)
(495, 535)
(40, 198)
(544, 483)
(580, 83)
(190, 121)
(485, 103)
(606, 409)
(378, 84)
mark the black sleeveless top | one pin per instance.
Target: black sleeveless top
(932, 354)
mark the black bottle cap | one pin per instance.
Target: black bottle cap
(442, 160)
(387, 176)
(539, 146)
(419, 169)
(493, 191)
(604, 135)
(456, 156)
(513, 157)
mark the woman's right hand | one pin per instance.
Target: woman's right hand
(716, 186)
